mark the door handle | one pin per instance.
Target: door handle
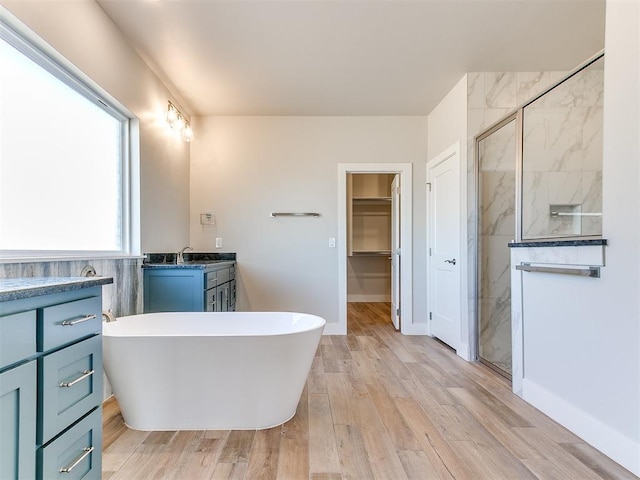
(452, 261)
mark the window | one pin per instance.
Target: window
(63, 160)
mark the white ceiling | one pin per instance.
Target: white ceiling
(347, 57)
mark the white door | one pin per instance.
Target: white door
(395, 252)
(443, 177)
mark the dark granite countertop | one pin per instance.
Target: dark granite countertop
(191, 260)
(26, 287)
(559, 243)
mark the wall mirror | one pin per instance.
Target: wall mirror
(562, 158)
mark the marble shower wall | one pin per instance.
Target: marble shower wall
(562, 158)
(491, 96)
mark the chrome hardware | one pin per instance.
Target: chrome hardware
(71, 323)
(87, 451)
(294, 214)
(452, 261)
(85, 374)
(88, 271)
(593, 272)
(180, 254)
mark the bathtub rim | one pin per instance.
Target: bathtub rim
(113, 325)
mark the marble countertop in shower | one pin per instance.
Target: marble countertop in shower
(26, 287)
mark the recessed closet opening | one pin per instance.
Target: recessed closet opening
(371, 242)
(374, 242)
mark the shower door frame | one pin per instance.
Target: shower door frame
(516, 117)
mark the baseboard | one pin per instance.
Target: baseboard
(463, 351)
(368, 298)
(612, 443)
(334, 329)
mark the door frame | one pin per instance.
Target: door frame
(467, 327)
(406, 257)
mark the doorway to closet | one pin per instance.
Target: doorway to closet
(373, 269)
(374, 261)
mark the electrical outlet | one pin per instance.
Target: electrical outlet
(218, 242)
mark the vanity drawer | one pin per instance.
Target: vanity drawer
(211, 280)
(223, 275)
(17, 337)
(70, 384)
(64, 323)
(75, 454)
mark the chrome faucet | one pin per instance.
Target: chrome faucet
(180, 254)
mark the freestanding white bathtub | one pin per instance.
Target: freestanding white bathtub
(209, 371)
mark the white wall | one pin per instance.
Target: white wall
(243, 168)
(582, 335)
(82, 33)
(447, 124)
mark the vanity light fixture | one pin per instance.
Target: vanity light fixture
(176, 120)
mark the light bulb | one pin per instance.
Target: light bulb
(172, 115)
(179, 123)
(187, 133)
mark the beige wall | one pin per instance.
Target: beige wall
(82, 33)
(243, 168)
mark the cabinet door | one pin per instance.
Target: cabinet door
(174, 290)
(18, 422)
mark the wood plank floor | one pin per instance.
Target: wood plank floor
(377, 405)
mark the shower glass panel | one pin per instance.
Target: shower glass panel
(562, 158)
(496, 228)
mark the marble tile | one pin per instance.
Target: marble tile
(535, 208)
(564, 138)
(495, 331)
(593, 85)
(500, 89)
(494, 270)
(565, 188)
(592, 138)
(475, 90)
(532, 84)
(498, 150)
(535, 157)
(497, 203)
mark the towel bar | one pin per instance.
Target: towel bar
(593, 272)
(294, 214)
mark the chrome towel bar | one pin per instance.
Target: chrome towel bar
(294, 214)
(582, 272)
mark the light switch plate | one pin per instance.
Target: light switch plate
(218, 242)
(332, 242)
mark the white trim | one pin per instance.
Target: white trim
(463, 344)
(406, 259)
(334, 329)
(592, 430)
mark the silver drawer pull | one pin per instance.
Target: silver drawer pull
(86, 452)
(85, 374)
(71, 323)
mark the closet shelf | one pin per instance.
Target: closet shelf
(371, 200)
(371, 253)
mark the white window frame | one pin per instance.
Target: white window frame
(28, 43)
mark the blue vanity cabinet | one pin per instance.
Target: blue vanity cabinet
(18, 422)
(189, 288)
(51, 379)
(173, 290)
